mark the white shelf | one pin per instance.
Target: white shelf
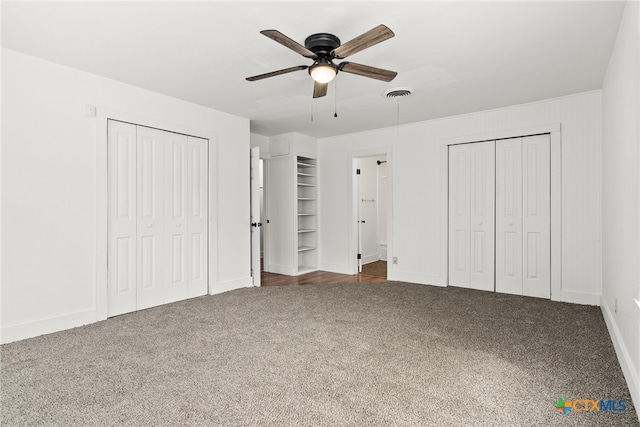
(306, 224)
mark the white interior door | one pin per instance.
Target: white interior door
(150, 222)
(197, 211)
(536, 216)
(157, 221)
(122, 218)
(481, 211)
(509, 216)
(459, 217)
(359, 213)
(368, 210)
(256, 223)
(471, 215)
(177, 224)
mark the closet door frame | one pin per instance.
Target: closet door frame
(554, 130)
(104, 114)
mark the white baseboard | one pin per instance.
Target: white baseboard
(366, 259)
(421, 279)
(280, 269)
(335, 268)
(577, 298)
(36, 328)
(230, 285)
(626, 362)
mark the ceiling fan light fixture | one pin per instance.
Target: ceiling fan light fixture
(323, 71)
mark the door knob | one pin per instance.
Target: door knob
(149, 225)
(178, 225)
(480, 223)
(510, 223)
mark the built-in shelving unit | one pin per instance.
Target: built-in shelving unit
(307, 208)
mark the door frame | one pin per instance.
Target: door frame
(554, 130)
(352, 212)
(103, 115)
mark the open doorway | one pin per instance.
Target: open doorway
(371, 206)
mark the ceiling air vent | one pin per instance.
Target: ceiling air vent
(398, 92)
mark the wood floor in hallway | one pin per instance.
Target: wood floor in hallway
(324, 277)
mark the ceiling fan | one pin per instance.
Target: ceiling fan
(323, 48)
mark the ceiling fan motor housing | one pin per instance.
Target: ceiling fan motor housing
(322, 44)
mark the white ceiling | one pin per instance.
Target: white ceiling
(458, 57)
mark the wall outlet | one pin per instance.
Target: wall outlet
(395, 259)
(615, 305)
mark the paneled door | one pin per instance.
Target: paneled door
(256, 221)
(197, 211)
(157, 197)
(459, 217)
(151, 217)
(471, 215)
(176, 228)
(536, 216)
(523, 216)
(122, 258)
(509, 216)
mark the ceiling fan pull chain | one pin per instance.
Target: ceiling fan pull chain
(335, 98)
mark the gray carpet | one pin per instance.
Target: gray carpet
(353, 354)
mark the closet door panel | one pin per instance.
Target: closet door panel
(197, 216)
(122, 218)
(176, 215)
(509, 216)
(459, 215)
(482, 207)
(150, 183)
(536, 218)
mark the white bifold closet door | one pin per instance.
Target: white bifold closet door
(157, 222)
(523, 216)
(471, 215)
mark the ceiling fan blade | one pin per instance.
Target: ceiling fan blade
(368, 71)
(319, 89)
(363, 41)
(287, 42)
(277, 73)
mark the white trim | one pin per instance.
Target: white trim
(368, 259)
(626, 363)
(501, 134)
(36, 328)
(103, 115)
(230, 285)
(417, 278)
(335, 268)
(554, 129)
(287, 270)
(352, 209)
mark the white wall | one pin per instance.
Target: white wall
(262, 142)
(621, 197)
(49, 189)
(415, 170)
